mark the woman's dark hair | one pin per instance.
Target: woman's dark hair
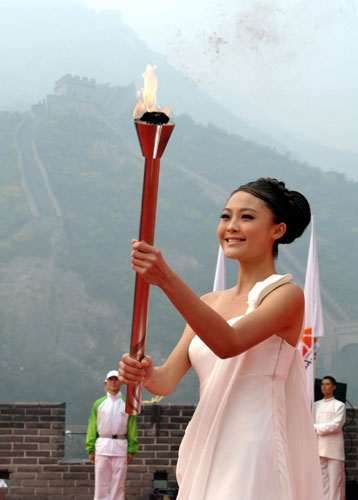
(290, 207)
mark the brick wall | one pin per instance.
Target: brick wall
(160, 431)
(32, 450)
(351, 445)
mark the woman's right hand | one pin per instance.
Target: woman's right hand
(132, 371)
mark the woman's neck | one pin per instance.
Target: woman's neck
(252, 272)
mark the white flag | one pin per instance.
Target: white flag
(220, 272)
(313, 325)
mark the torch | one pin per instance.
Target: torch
(153, 129)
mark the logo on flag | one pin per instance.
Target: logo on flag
(309, 345)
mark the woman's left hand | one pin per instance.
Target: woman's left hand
(148, 262)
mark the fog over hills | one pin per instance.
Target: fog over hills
(69, 207)
(73, 39)
(71, 177)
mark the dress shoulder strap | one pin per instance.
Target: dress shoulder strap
(263, 288)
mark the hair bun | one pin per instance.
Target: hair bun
(298, 216)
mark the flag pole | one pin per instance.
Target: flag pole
(313, 330)
(313, 372)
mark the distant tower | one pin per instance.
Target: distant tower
(76, 88)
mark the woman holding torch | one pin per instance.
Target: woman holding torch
(251, 436)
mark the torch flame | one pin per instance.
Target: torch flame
(147, 97)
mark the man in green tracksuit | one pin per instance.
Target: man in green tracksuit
(111, 441)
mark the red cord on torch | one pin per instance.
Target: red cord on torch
(153, 139)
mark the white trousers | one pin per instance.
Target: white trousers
(110, 477)
(333, 476)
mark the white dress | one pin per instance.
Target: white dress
(251, 436)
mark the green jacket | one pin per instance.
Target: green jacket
(92, 434)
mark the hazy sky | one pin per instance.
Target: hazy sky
(292, 63)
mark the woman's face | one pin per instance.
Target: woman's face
(246, 230)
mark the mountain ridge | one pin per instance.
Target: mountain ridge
(95, 173)
(100, 45)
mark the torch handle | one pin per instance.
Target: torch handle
(141, 293)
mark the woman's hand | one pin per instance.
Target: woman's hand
(132, 371)
(148, 262)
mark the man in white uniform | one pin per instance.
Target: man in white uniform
(329, 417)
(111, 441)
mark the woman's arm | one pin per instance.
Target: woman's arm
(281, 312)
(161, 380)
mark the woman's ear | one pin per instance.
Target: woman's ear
(279, 230)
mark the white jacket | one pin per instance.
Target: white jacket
(329, 417)
(112, 419)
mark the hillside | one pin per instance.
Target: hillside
(67, 37)
(65, 281)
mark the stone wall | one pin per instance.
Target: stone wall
(32, 440)
(160, 430)
(351, 451)
(32, 443)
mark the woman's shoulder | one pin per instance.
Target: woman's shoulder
(287, 291)
(292, 289)
(212, 298)
(273, 286)
(287, 301)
